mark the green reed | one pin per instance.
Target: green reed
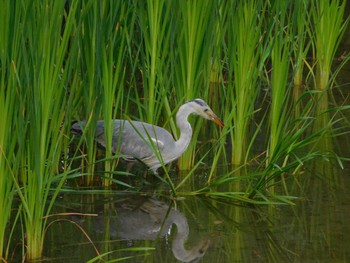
(300, 21)
(113, 50)
(7, 138)
(294, 143)
(7, 153)
(41, 97)
(280, 55)
(329, 28)
(154, 20)
(245, 56)
(102, 36)
(192, 60)
(89, 91)
(6, 183)
(64, 60)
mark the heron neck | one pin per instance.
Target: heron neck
(182, 230)
(178, 244)
(185, 129)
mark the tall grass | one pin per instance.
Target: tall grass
(113, 49)
(192, 60)
(300, 22)
(7, 138)
(6, 183)
(245, 56)
(328, 18)
(89, 91)
(41, 95)
(63, 60)
(8, 158)
(280, 90)
(104, 29)
(154, 18)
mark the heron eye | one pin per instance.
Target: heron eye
(205, 110)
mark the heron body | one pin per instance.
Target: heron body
(148, 143)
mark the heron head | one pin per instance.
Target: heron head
(201, 108)
(77, 127)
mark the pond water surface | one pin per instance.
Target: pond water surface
(198, 229)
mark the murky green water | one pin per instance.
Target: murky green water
(315, 229)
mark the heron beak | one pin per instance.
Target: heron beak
(216, 119)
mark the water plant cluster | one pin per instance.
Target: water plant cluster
(265, 67)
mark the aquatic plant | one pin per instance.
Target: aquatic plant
(8, 139)
(8, 153)
(62, 61)
(39, 56)
(88, 90)
(154, 20)
(245, 56)
(112, 72)
(329, 28)
(192, 59)
(280, 89)
(300, 21)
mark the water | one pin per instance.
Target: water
(315, 229)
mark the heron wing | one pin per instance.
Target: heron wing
(139, 140)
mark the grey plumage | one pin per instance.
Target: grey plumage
(140, 140)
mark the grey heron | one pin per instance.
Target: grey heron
(148, 143)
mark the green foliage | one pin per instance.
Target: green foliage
(8, 160)
(42, 78)
(39, 93)
(328, 31)
(192, 59)
(280, 91)
(154, 18)
(245, 54)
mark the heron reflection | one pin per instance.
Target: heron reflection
(148, 219)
